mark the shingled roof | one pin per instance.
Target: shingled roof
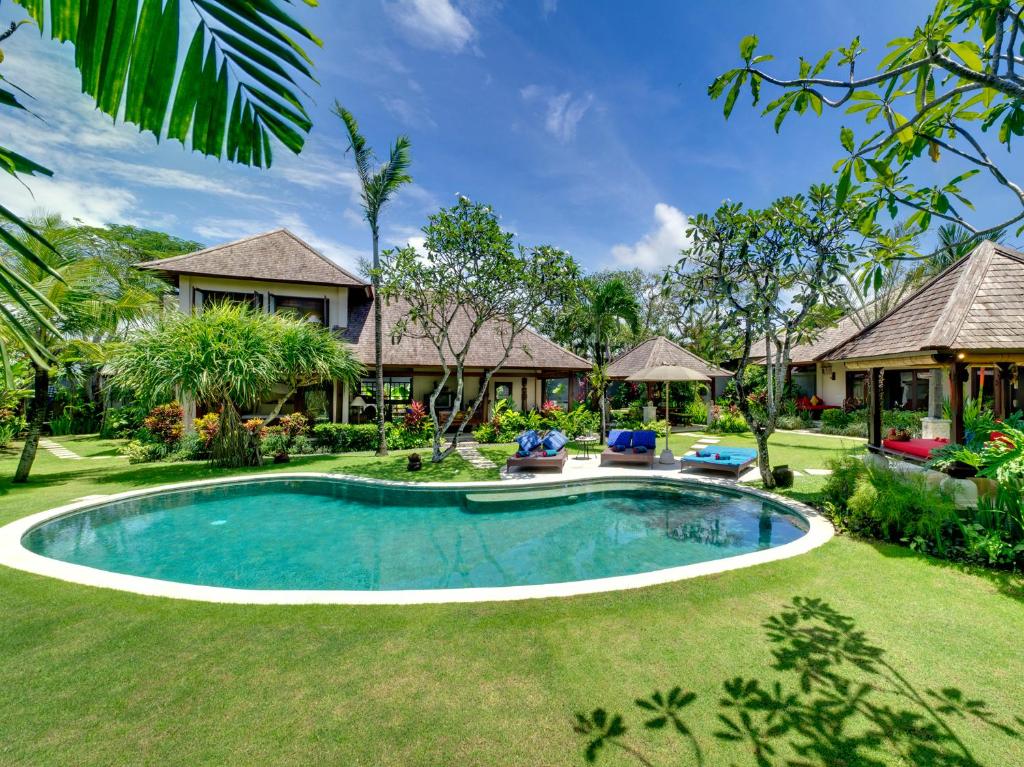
(807, 353)
(660, 351)
(531, 349)
(976, 304)
(277, 256)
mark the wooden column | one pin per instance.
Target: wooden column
(1001, 384)
(1020, 386)
(522, 393)
(956, 401)
(975, 387)
(484, 413)
(875, 407)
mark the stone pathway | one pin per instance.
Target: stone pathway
(474, 457)
(57, 450)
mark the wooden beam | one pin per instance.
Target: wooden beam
(875, 407)
(1002, 386)
(956, 400)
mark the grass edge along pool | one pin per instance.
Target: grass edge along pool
(319, 533)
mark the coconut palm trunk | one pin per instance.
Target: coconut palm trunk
(40, 408)
(378, 347)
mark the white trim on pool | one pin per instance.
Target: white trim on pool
(14, 554)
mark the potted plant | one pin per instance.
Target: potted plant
(415, 462)
(957, 461)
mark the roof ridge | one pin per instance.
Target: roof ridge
(948, 325)
(316, 252)
(558, 346)
(212, 248)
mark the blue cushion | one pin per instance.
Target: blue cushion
(555, 440)
(550, 453)
(523, 453)
(620, 438)
(703, 453)
(645, 438)
(528, 440)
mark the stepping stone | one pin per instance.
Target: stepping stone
(709, 439)
(58, 450)
(750, 475)
(818, 472)
(475, 458)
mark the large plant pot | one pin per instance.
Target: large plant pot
(783, 476)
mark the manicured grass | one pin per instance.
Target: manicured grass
(97, 677)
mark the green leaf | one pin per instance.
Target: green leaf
(146, 36)
(747, 46)
(188, 88)
(161, 71)
(969, 53)
(846, 138)
(730, 99)
(843, 187)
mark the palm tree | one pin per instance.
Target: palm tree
(378, 186)
(609, 307)
(235, 88)
(85, 301)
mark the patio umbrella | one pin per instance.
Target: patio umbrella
(666, 374)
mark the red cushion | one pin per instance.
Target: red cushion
(919, 448)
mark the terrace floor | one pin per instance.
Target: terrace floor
(932, 651)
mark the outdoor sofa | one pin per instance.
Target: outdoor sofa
(914, 450)
(536, 452)
(632, 447)
(731, 460)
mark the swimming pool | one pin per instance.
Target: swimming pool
(321, 534)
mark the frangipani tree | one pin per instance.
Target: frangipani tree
(229, 357)
(771, 269)
(235, 87)
(951, 92)
(471, 279)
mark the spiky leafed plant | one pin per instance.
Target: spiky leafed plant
(378, 186)
(234, 88)
(229, 358)
(83, 300)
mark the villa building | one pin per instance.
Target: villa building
(279, 272)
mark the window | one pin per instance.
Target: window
(557, 390)
(397, 394)
(312, 309)
(211, 297)
(503, 390)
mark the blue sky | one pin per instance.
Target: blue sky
(585, 124)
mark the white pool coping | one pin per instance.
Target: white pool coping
(14, 554)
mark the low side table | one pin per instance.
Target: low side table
(585, 443)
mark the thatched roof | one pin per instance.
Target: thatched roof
(531, 349)
(277, 256)
(977, 304)
(660, 351)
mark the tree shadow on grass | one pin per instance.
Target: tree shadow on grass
(836, 701)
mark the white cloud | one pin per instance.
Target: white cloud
(434, 24)
(563, 110)
(660, 246)
(407, 113)
(93, 204)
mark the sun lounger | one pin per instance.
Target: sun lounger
(537, 453)
(633, 447)
(733, 460)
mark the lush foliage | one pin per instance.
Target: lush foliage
(472, 276)
(937, 93)
(228, 357)
(166, 422)
(727, 419)
(354, 437)
(507, 423)
(771, 269)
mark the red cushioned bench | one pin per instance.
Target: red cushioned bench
(914, 449)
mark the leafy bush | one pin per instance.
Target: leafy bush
(143, 452)
(166, 422)
(191, 447)
(11, 425)
(121, 421)
(577, 422)
(401, 437)
(274, 444)
(302, 445)
(486, 433)
(696, 410)
(416, 416)
(727, 420)
(841, 483)
(791, 422)
(901, 420)
(345, 437)
(207, 427)
(835, 421)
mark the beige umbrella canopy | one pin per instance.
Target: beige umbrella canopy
(666, 374)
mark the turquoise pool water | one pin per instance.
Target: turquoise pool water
(334, 534)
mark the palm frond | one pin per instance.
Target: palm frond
(237, 85)
(361, 151)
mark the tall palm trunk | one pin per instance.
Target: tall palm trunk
(378, 346)
(40, 407)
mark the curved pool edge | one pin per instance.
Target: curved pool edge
(13, 554)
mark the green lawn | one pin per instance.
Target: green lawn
(930, 654)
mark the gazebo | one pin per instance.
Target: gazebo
(965, 326)
(659, 351)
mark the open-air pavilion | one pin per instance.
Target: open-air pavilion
(964, 328)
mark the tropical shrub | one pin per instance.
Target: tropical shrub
(345, 437)
(416, 415)
(401, 437)
(274, 444)
(207, 427)
(576, 422)
(121, 421)
(835, 420)
(166, 422)
(191, 447)
(11, 425)
(696, 410)
(727, 420)
(790, 422)
(137, 451)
